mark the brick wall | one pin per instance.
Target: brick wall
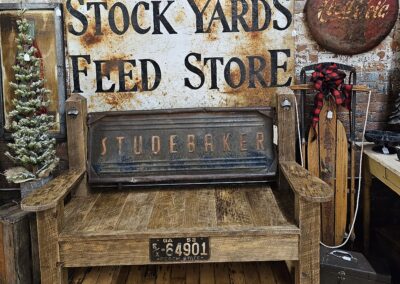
(375, 68)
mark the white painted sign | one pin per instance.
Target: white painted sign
(126, 55)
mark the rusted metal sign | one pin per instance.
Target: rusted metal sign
(128, 55)
(185, 146)
(350, 26)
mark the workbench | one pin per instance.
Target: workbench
(386, 168)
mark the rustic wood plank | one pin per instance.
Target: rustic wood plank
(49, 224)
(77, 131)
(251, 274)
(327, 152)
(193, 273)
(135, 275)
(164, 274)
(281, 273)
(19, 223)
(137, 211)
(123, 274)
(304, 184)
(341, 183)
(136, 252)
(109, 275)
(200, 208)
(79, 275)
(308, 217)
(236, 273)
(11, 262)
(286, 128)
(105, 212)
(167, 210)
(313, 152)
(178, 274)
(221, 272)
(232, 207)
(34, 249)
(76, 211)
(50, 194)
(309, 87)
(149, 275)
(263, 215)
(207, 274)
(266, 274)
(92, 276)
(77, 138)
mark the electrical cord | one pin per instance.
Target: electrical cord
(359, 175)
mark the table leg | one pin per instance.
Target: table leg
(366, 203)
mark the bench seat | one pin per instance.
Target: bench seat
(240, 226)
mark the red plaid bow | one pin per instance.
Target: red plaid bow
(328, 80)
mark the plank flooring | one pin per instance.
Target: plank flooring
(222, 273)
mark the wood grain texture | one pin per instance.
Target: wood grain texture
(131, 214)
(34, 249)
(53, 192)
(341, 183)
(313, 152)
(286, 128)
(226, 273)
(77, 138)
(357, 88)
(77, 131)
(15, 246)
(136, 251)
(49, 223)
(327, 153)
(308, 216)
(304, 184)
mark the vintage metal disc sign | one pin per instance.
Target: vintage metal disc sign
(350, 26)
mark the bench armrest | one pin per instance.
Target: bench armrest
(304, 184)
(49, 195)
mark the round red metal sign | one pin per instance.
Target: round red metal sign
(350, 26)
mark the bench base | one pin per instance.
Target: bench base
(254, 272)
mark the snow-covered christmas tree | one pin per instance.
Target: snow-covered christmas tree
(32, 150)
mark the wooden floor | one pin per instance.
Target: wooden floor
(224, 273)
(152, 211)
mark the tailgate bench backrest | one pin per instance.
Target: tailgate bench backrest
(182, 146)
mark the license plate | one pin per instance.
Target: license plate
(179, 249)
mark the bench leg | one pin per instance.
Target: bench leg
(49, 224)
(308, 217)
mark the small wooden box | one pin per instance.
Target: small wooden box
(18, 246)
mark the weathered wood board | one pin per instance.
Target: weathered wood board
(252, 273)
(327, 157)
(16, 263)
(342, 158)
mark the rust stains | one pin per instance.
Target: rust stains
(89, 39)
(180, 16)
(120, 101)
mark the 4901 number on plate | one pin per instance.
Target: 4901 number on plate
(179, 249)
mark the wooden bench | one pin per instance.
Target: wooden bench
(244, 208)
